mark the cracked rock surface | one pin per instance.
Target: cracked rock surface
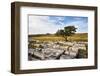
(55, 50)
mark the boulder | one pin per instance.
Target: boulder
(65, 57)
(72, 54)
(66, 52)
(39, 55)
(31, 51)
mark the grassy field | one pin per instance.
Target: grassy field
(51, 37)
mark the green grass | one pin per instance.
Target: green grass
(75, 37)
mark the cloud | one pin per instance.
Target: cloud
(42, 25)
(50, 24)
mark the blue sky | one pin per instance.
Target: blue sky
(50, 24)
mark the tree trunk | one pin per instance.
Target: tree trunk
(66, 38)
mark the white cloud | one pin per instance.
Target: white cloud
(48, 24)
(41, 25)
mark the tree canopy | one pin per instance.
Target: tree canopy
(67, 31)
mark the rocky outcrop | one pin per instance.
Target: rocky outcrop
(55, 50)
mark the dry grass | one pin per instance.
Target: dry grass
(75, 37)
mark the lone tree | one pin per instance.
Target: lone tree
(67, 31)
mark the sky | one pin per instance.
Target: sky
(50, 24)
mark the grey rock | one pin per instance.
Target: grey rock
(55, 50)
(65, 57)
